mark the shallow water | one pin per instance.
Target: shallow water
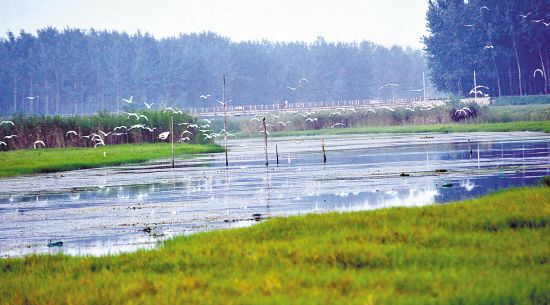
(103, 211)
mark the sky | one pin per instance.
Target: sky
(386, 22)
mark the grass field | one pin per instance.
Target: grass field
(491, 250)
(543, 126)
(19, 162)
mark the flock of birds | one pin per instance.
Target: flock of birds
(525, 18)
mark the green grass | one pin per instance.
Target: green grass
(543, 126)
(13, 163)
(521, 100)
(491, 250)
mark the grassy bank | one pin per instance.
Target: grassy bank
(543, 126)
(13, 163)
(492, 250)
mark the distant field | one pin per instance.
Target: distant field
(521, 100)
(491, 250)
(543, 126)
(13, 163)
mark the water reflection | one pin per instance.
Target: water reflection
(107, 215)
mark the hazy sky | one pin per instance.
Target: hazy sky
(386, 22)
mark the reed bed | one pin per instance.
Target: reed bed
(53, 129)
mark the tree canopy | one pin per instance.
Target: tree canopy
(506, 42)
(76, 71)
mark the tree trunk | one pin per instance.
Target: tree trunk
(519, 66)
(544, 73)
(496, 74)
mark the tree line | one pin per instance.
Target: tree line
(76, 71)
(506, 42)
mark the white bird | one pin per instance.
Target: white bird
(284, 123)
(293, 88)
(469, 25)
(488, 47)
(208, 136)
(546, 23)
(352, 110)
(136, 126)
(388, 85)
(267, 131)
(181, 140)
(120, 127)
(388, 108)
(150, 129)
(3, 143)
(129, 101)
(417, 90)
(71, 132)
(105, 134)
(186, 131)
(205, 96)
(221, 103)
(10, 137)
(193, 126)
(32, 97)
(538, 70)
(337, 124)
(370, 110)
(311, 120)
(164, 135)
(302, 80)
(537, 21)
(525, 16)
(6, 122)
(484, 7)
(132, 114)
(148, 105)
(254, 119)
(174, 111)
(207, 121)
(143, 116)
(411, 109)
(430, 107)
(39, 142)
(466, 109)
(334, 113)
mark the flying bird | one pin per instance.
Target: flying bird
(254, 119)
(335, 113)
(71, 132)
(311, 120)
(143, 116)
(32, 97)
(488, 47)
(525, 16)
(205, 96)
(150, 129)
(105, 134)
(337, 124)
(120, 127)
(3, 143)
(6, 122)
(129, 101)
(10, 137)
(388, 108)
(417, 90)
(284, 123)
(181, 140)
(148, 105)
(39, 142)
(186, 131)
(484, 8)
(536, 71)
(164, 135)
(132, 114)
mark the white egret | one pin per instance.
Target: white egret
(71, 132)
(205, 96)
(38, 142)
(337, 124)
(164, 135)
(148, 105)
(10, 137)
(536, 71)
(6, 122)
(129, 101)
(3, 143)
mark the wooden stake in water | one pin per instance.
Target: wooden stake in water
(277, 153)
(224, 122)
(265, 141)
(470, 145)
(172, 133)
(324, 152)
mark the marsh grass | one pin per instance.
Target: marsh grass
(13, 163)
(491, 250)
(542, 126)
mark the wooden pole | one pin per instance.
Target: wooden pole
(224, 122)
(265, 141)
(470, 146)
(324, 152)
(277, 154)
(172, 133)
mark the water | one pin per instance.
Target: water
(104, 211)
